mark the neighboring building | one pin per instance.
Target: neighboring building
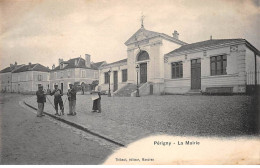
(168, 65)
(118, 75)
(27, 78)
(217, 65)
(6, 77)
(76, 70)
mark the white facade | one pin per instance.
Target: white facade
(28, 81)
(240, 62)
(238, 67)
(115, 69)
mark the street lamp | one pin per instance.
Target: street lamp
(137, 88)
(109, 93)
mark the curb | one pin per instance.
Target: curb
(78, 126)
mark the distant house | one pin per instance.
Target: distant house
(6, 77)
(76, 70)
(27, 78)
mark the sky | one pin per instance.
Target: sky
(42, 31)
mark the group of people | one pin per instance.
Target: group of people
(72, 92)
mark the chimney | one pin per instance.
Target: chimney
(87, 60)
(175, 34)
(53, 66)
(210, 37)
(15, 64)
(60, 60)
(30, 66)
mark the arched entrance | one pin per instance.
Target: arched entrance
(142, 57)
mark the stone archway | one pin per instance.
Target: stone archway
(142, 56)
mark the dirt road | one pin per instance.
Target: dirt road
(27, 139)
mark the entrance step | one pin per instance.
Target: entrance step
(194, 92)
(126, 91)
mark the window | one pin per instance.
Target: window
(83, 74)
(143, 55)
(95, 74)
(61, 74)
(55, 75)
(124, 75)
(68, 72)
(177, 70)
(218, 65)
(106, 77)
(39, 77)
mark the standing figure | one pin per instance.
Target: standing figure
(57, 99)
(96, 97)
(41, 99)
(72, 99)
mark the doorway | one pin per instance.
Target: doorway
(115, 81)
(195, 74)
(143, 73)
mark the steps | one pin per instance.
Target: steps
(126, 90)
(194, 92)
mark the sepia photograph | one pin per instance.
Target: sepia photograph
(129, 82)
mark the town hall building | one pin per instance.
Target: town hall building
(163, 64)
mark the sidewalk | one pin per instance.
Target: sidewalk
(96, 122)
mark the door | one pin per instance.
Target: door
(115, 81)
(143, 73)
(61, 86)
(195, 74)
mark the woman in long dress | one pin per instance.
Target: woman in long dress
(96, 97)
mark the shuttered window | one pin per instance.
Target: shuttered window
(106, 77)
(218, 65)
(124, 75)
(177, 70)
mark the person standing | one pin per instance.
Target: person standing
(96, 97)
(57, 99)
(72, 99)
(41, 99)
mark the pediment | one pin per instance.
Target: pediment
(141, 35)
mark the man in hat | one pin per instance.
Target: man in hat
(41, 99)
(57, 99)
(72, 99)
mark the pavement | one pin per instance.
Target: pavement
(95, 123)
(27, 139)
(126, 119)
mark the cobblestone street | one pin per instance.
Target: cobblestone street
(126, 119)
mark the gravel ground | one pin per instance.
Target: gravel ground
(181, 115)
(27, 139)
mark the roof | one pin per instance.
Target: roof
(98, 64)
(80, 64)
(117, 62)
(10, 69)
(209, 43)
(142, 34)
(32, 67)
